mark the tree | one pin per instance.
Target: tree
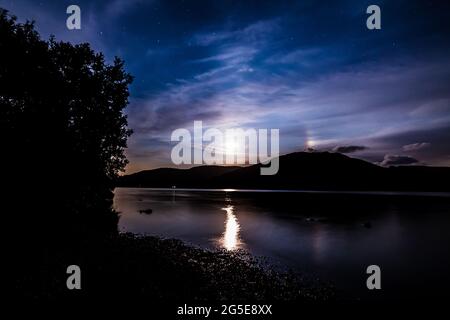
(62, 125)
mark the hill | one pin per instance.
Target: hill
(168, 177)
(300, 170)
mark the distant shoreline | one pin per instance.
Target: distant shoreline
(329, 192)
(322, 172)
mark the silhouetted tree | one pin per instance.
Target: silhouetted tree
(62, 127)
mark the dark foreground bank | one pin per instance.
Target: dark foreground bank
(162, 270)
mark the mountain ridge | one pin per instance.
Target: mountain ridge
(299, 171)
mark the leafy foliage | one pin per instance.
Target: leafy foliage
(62, 130)
(62, 102)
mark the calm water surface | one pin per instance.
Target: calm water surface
(332, 237)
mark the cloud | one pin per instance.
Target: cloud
(304, 56)
(415, 146)
(348, 149)
(258, 32)
(435, 153)
(395, 160)
(359, 106)
(233, 56)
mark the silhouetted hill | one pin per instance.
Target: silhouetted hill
(168, 177)
(301, 170)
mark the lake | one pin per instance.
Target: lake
(332, 236)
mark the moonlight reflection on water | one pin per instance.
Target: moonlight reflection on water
(230, 239)
(407, 237)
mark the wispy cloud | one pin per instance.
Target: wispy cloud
(260, 32)
(415, 146)
(395, 160)
(347, 106)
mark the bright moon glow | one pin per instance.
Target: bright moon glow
(230, 146)
(230, 240)
(310, 143)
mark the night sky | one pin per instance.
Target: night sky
(310, 68)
